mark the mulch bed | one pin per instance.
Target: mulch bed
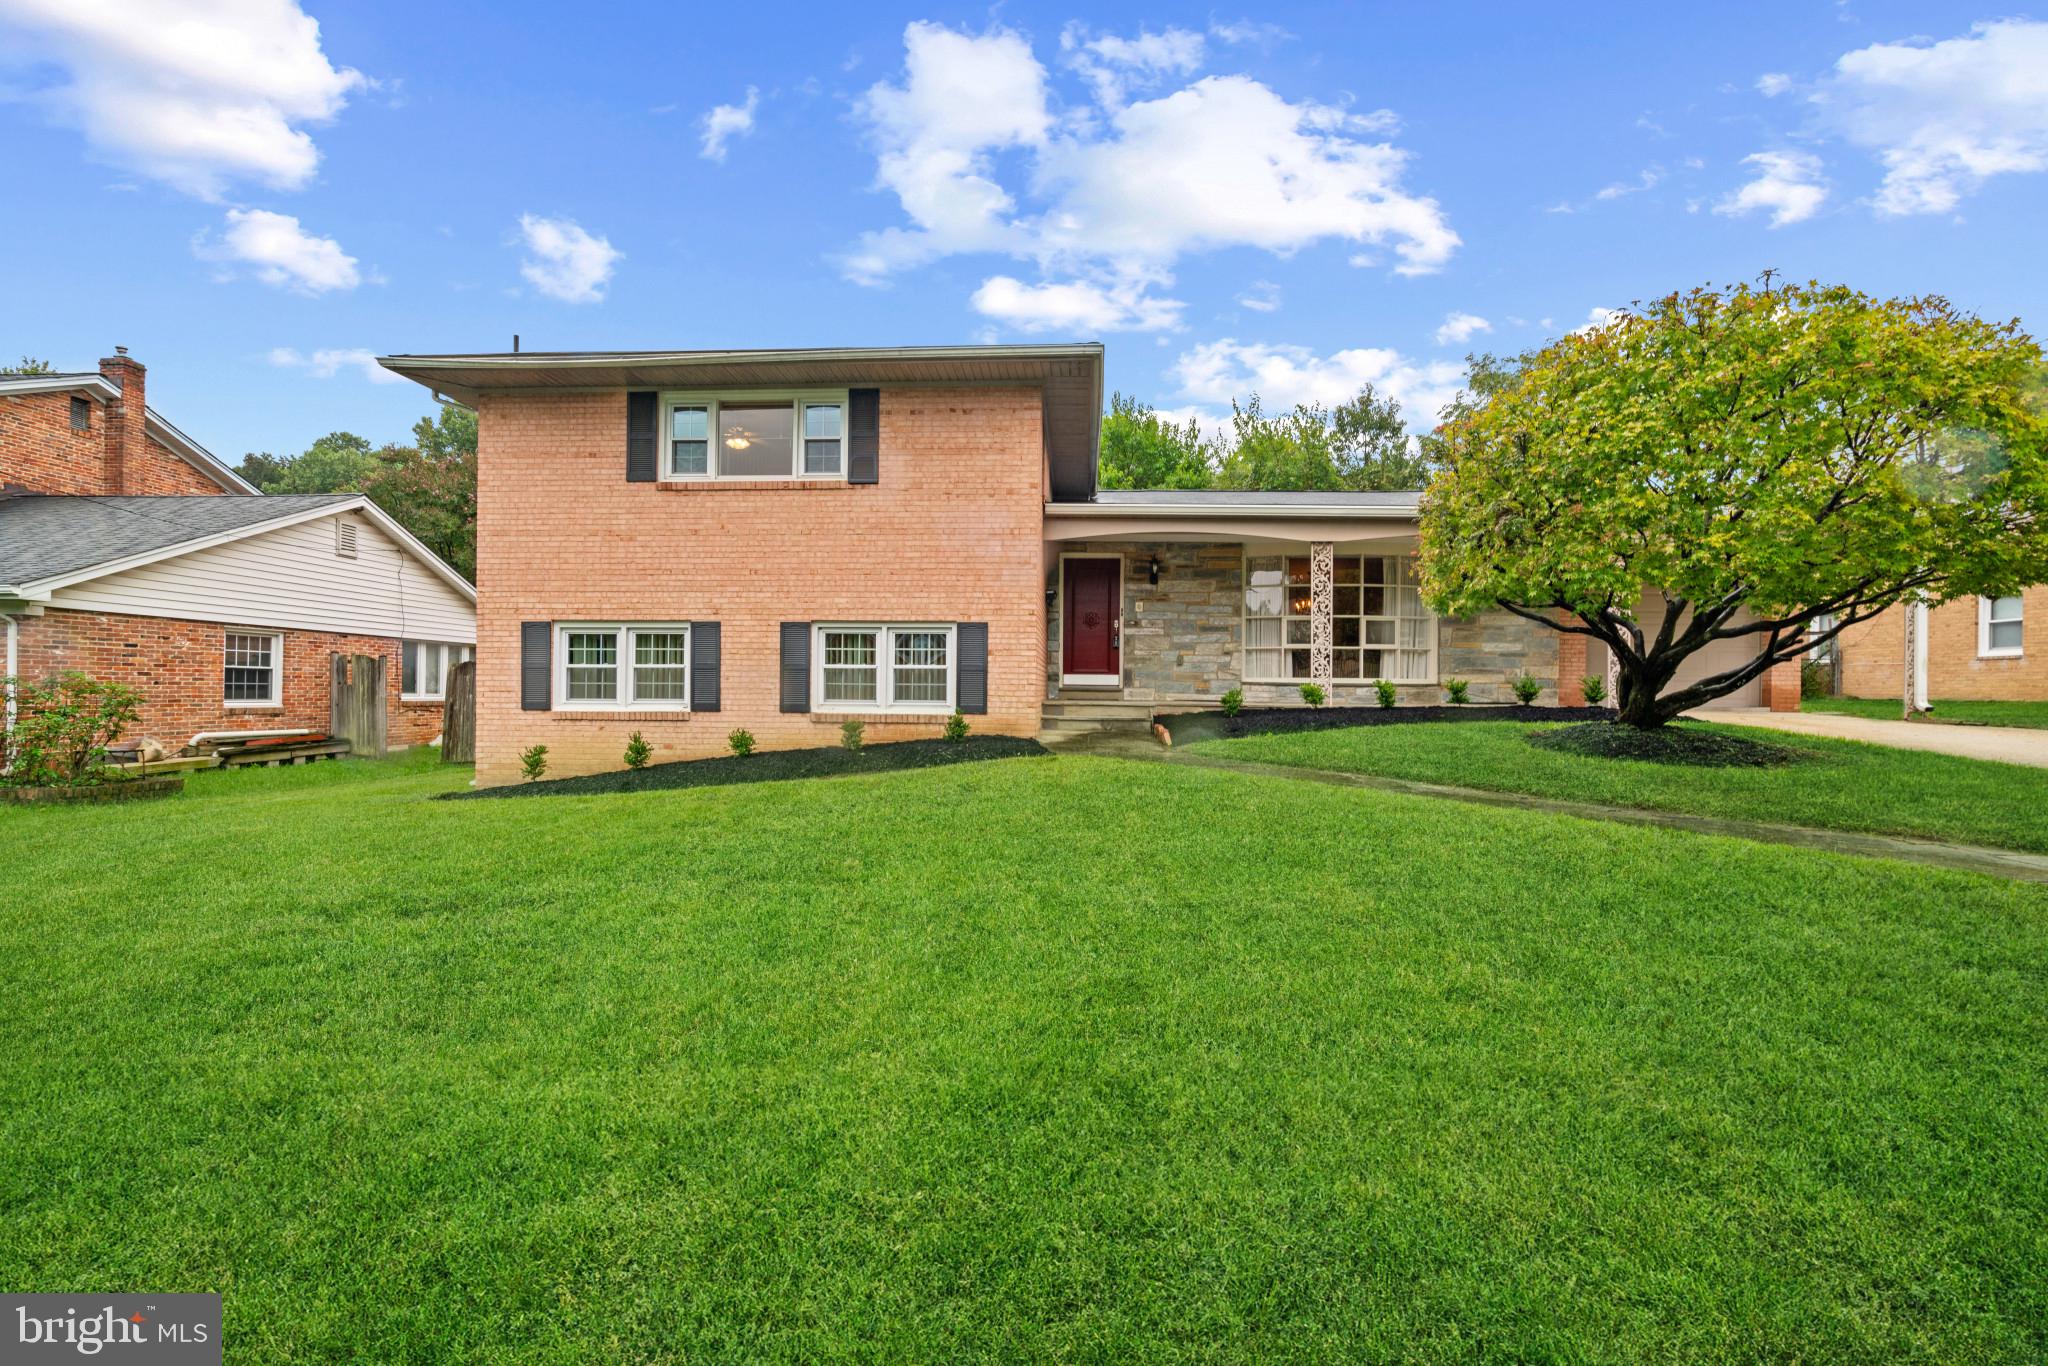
(1188, 727)
(1669, 744)
(772, 766)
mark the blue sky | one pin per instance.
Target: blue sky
(253, 195)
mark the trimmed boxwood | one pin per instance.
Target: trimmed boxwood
(770, 765)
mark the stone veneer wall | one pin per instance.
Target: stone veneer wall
(1183, 637)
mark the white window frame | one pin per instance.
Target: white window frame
(1985, 649)
(624, 632)
(1245, 618)
(452, 653)
(276, 639)
(711, 401)
(885, 702)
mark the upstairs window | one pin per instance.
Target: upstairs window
(81, 414)
(2001, 627)
(756, 436)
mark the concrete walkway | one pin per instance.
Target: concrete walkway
(1970, 858)
(2005, 744)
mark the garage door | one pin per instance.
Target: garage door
(1717, 657)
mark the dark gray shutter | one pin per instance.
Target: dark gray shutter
(970, 682)
(864, 436)
(796, 666)
(704, 666)
(640, 438)
(536, 667)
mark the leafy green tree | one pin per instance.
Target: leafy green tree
(340, 462)
(261, 468)
(1142, 450)
(1362, 443)
(1748, 453)
(1372, 447)
(429, 487)
(29, 365)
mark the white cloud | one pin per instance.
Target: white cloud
(1283, 376)
(1115, 66)
(326, 364)
(1648, 179)
(1773, 84)
(966, 134)
(195, 93)
(728, 121)
(1788, 184)
(282, 253)
(1944, 117)
(1262, 297)
(565, 262)
(1459, 328)
(1596, 318)
(1075, 307)
(1253, 31)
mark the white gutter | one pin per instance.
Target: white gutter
(1228, 510)
(13, 635)
(526, 360)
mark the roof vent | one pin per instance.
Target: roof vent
(344, 538)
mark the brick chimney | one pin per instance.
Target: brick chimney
(125, 456)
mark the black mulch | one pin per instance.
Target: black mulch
(1188, 727)
(772, 766)
(1670, 744)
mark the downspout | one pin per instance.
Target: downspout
(13, 654)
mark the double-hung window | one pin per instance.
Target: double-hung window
(622, 666)
(252, 663)
(871, 667)
(747, 435)
(2001, 627)
(424, 666)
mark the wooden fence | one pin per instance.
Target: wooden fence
(458, 716)
(356, 704)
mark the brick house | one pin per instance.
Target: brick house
(1969, 650)
(682, 543)
(130, 553)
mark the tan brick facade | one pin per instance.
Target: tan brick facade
(1874, 655)
(177, 666)
(952, 532)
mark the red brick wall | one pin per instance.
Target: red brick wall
(177, 667)
(160, 472)
(1571, 665)
(1874, 655)
(40, 451)
(951, 533)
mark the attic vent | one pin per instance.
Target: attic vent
(344, 538)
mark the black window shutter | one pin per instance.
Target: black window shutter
(536, 668)
(970, 685)
(640, 438)
(796, 666)
(704, 646)
(864, 436)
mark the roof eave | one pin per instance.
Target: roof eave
(1324, 512)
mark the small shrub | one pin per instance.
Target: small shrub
(1527, 690)
(1312, 694)
(637, 750)
(1384, 690)
(740, 742)
(852, 733)
(1458, 690)
(1594, 689)
(62, 729)
(956, 728)
(534, 762)
(1233, 702)
(1817, 678)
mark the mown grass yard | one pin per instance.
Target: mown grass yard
(1839, 785)
(1047, 1058)
(2033, 715)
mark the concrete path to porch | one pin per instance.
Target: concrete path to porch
(1969, 858)
(2003, 744)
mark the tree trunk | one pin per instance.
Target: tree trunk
(1640, 709)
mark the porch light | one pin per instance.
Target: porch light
(1152, 570)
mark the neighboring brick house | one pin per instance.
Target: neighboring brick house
(1969, 650)
(685, 543)
(130, 553)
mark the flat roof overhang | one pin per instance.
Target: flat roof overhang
(1248, 518)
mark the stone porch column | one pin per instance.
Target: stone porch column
(1321, 589)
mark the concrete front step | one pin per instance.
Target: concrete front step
(1074, 725)
(1104, 709)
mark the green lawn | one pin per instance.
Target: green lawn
(2033, 715)
(1844, 785)
(1054, 1059)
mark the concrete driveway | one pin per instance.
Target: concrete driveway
(2007, 744)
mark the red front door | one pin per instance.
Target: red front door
(1091, 640)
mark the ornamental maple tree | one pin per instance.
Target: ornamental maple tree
(1779, 461)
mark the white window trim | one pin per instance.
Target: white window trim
(625, 630)
(448, 662)
(885, 702)
(1985, 650)
(276, 698)
(709, 400)
(1244, 635)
